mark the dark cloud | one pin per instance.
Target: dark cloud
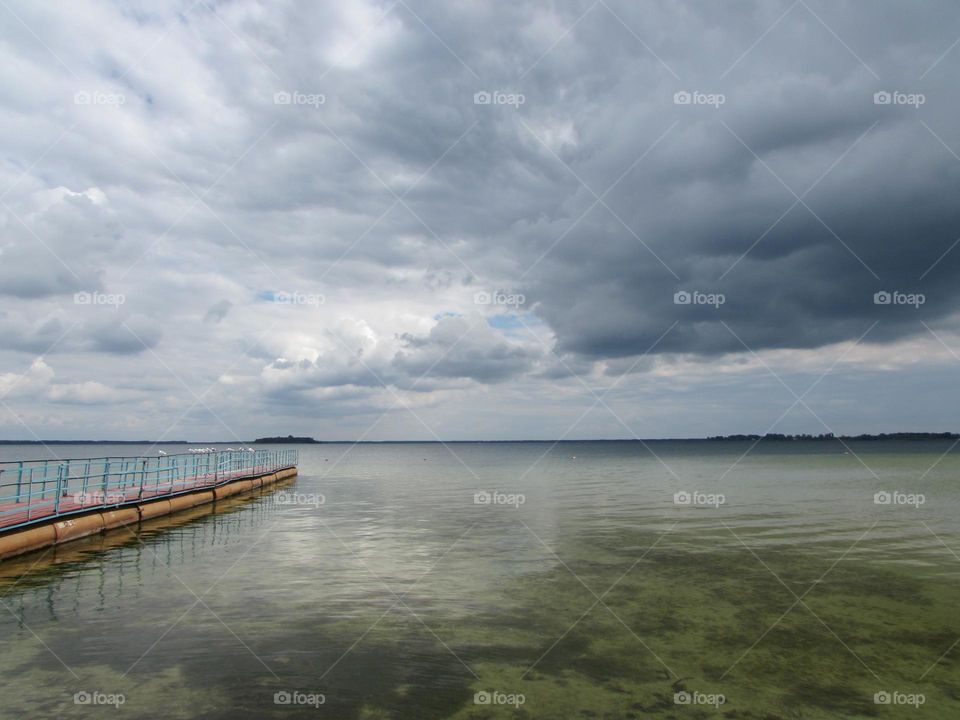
(218, 311)
(396, 199)
(122, 335)
(459, 347)
(37, 337)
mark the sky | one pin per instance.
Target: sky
(421, 220)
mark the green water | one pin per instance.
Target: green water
(597, 597)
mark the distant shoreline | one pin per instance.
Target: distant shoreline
(769, 437)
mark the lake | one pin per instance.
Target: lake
(514, 580)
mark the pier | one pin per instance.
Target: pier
(47, 502)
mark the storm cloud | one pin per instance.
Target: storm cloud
(292, 214)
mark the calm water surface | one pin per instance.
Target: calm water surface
(379, 582)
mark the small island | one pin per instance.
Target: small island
(290, 439)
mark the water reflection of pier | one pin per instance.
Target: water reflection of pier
(112, 566)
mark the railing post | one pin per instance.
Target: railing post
(86, 481)
(66, 478)
(30, 493)
(143, 478)
(56, 503)
(19, 478)
(106, 477)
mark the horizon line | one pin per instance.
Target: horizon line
(729, 437)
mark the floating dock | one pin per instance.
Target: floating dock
(48, 502)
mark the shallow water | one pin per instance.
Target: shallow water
(375, 581)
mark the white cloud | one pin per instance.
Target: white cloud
(37, 384)
(197, 194)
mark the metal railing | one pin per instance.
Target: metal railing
(36, 490)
